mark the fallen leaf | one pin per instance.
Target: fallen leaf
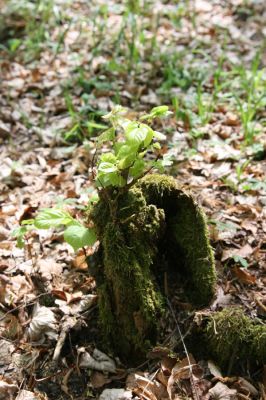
(49, 268)
(43, 324)
(80, 262)
(242, 385)
(243, 275)
(75, 305)
(243, 252)
(222, 392)
(26, 395)
(98, 379)
(98, 361)
(214, 370)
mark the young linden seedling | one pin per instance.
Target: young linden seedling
(116, 170)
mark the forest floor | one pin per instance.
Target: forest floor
(63, 65)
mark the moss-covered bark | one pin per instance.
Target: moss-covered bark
(132, 226)
(234, 337)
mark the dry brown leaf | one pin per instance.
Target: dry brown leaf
(98, 379)
(222, 392)
(183, 370)
(231, 119)
(244, 386)
(80, 262)
(98, 361)
(244, 252)
(49, 268)
(43, 324)
(59, 293)
(250, 226)
(148, 388)
(243, 275)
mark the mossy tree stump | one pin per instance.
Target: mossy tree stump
(132, 227)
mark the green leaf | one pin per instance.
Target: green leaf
(19, 234)
(156, 146)
(241, 260)
(106, 136)
(137, 133)
(78, 236)
(108, 157)
(52, 217)
(107, 167)
(137, 168)
(160, 111)
(126, 155)
(110, 179)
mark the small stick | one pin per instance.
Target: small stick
(193, 386)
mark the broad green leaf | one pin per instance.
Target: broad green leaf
(126, 155)
(52, 217)
(27, 221)
(106, 136)
(107, 167)
(19, 234)
(117, 180)
(111, 179)
(139, 133)
(78, 236)
(241, 260)
(137, 168)
(160, 111)
(108, 157)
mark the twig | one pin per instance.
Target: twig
(193, 386)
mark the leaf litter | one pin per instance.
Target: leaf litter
(48, 300)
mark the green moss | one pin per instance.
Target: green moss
(132, 227)
(230, 333)
(186, 234)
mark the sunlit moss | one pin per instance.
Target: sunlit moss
(132, 229)
(230, 333)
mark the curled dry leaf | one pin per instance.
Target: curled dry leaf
(77, 305)
(147, 388)
(214, 370)
(244, 386)
(183, 370)
(222, 392)
(98, 361)
(99, 379)
(244, 252)
(244, 276)
(43, 324)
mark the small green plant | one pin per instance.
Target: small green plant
(249, 94)
(27, 26)
(118, 169)
(126, 162)
(85, 120)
